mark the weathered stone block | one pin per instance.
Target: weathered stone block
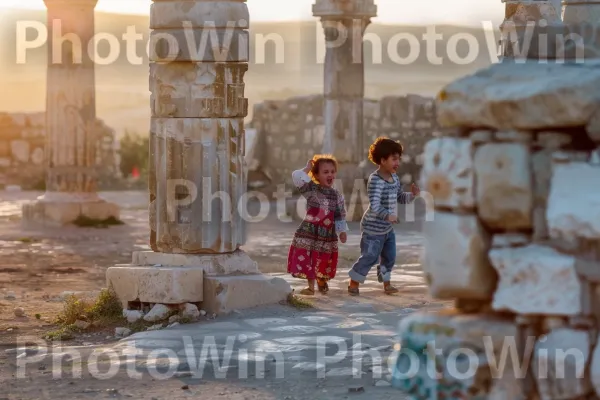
(223, 294)
(524, 96)
(504, 185)
(457, 357)
(209, 14)
(59, 213)
(197, 185)
(447, 173)
(578, 11)
(165, 285)
(236, 263)
(574, 203)
(199, 45)
(198, 90)
(455, 259)
(536, 280)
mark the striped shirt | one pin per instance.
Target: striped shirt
(384, 197)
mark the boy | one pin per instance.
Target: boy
(378, 237)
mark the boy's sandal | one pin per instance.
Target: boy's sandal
(307, 292)
(389, 289)
(353, 291)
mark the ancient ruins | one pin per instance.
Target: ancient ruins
(197, 171)
(515, 241)
(71, 128)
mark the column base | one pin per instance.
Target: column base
(57, 213)
(189, 278)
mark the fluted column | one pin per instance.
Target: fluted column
(518, 13)
(197, 172)
(71, 127)
(344, 75)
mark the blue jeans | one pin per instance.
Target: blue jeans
(374, 249)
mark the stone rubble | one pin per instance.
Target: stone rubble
(515, 240)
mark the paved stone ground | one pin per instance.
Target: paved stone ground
(323, 352)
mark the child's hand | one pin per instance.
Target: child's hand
(414, 189)
(309, 166)
(343, 237)
(392, 218)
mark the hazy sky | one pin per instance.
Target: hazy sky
(463, 12)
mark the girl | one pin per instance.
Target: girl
(313, 254)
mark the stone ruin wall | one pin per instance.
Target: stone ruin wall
(515, 239)
(291, 131)
(22, 151)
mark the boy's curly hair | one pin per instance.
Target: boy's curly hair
(383, 148)
(320, 159)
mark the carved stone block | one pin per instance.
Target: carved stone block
(536, 280)
(199, 45)
(455, 260)
(199, 13)
(197, 181)
(577, 11)
(198, 90)
(560, 364)
(448, 174)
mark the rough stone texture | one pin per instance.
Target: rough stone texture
(237, 263)
(560, 364)
(197, 171)
(455, 261)
(522, 96)
(23, 151)
(581, 11)
(165, 285)
(485, 336)
(504, 192)
(169, 14)
(223, 294)
(536, 280)
(197, 182)
(574, 204)
(291, 131)
(595, 368)
(448, 173)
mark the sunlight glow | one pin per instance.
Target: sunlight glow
(456, 12)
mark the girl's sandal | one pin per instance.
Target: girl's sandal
(324, 288)
(307, 292)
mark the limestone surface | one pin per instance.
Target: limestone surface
(536, 280)
(236, 263)
(519, 96)
(448, 174)
(560, 364)
(504, 185)
(574, 203)
(455, 261)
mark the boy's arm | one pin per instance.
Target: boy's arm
(374, 190)
(405, 197)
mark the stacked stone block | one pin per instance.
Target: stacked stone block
(515, 240)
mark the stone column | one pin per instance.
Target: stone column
(71, 124)
(344, 23)
(518, 13)
(199, 54)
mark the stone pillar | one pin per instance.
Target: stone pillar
(197, 168)
(71, 125)
(344, 23)
(581, 11)
(520, 13)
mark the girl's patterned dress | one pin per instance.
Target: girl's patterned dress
(314, 250)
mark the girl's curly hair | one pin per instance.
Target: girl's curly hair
(320, 159)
